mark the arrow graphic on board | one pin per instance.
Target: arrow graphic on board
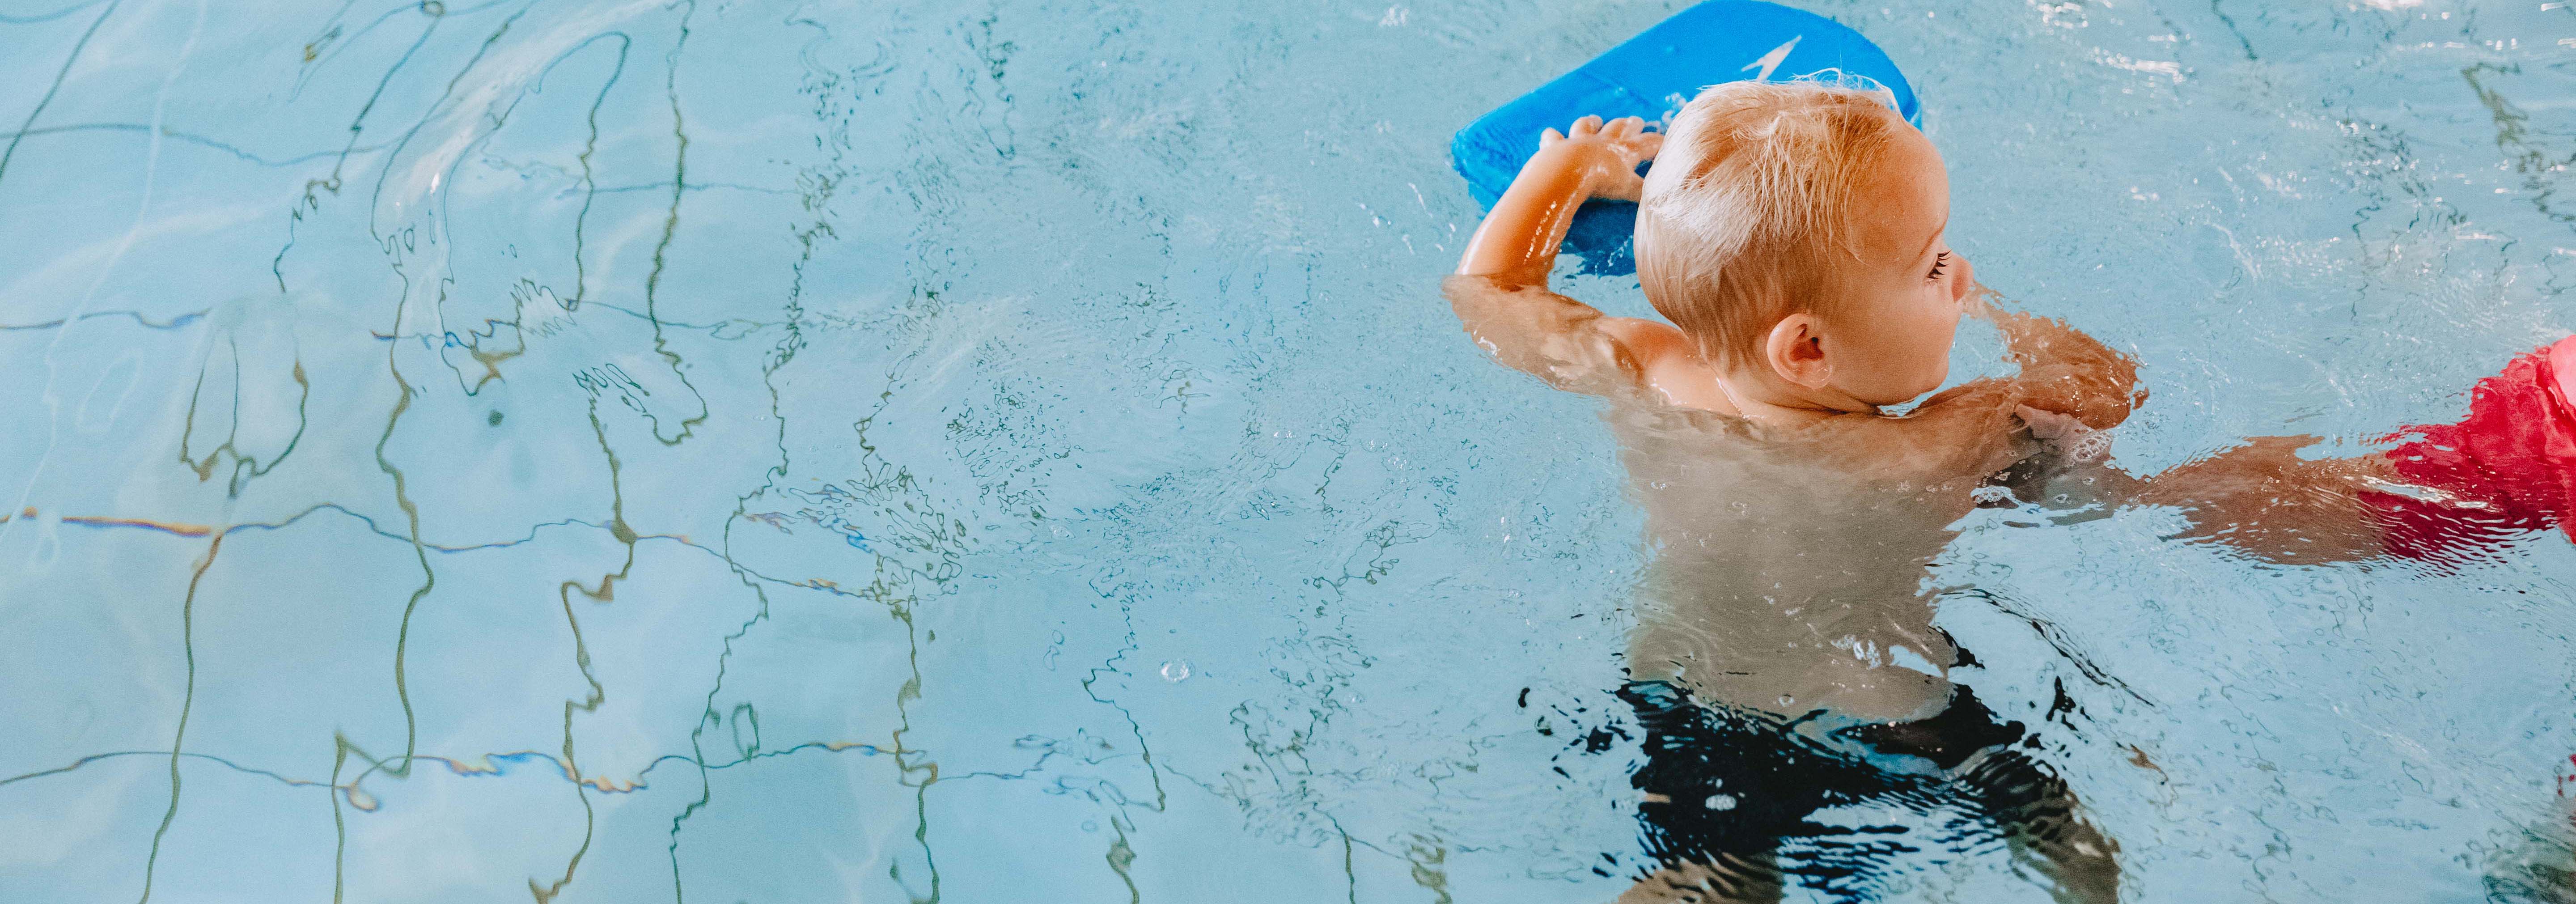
(1772, 60)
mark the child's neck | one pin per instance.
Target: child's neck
(1759, 395)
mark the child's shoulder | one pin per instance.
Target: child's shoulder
(1666, 362)
(1973, 428)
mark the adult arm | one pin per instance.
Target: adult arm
(2063, 370)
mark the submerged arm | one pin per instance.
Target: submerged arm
(2265, 499)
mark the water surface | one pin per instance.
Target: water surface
(869, 451)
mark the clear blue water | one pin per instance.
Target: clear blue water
(732, 451)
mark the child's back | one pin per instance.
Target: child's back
(1787, 568)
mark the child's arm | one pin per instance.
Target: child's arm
(1500, 290)
(1516, 245)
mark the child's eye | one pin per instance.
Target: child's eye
(1938, 261)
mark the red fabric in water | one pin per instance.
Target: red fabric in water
(2512, 460)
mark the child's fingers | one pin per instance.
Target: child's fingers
(1549, 137)
(1626, 126)
(1587, 125)
(1648, 145)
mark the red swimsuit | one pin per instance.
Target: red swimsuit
(2509, 466)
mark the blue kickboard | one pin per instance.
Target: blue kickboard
(1652, 75)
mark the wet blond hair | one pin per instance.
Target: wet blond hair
(1749, 201)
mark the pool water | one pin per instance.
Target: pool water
(736, 451)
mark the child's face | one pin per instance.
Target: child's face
(1902, 300)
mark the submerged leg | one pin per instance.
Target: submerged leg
(2035, 811)
(1721, 879)
(1722, 790)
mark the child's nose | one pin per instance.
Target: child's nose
(1967, 277)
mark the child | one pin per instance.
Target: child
(1785, 658)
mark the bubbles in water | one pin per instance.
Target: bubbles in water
(1721, 801)
(1176, 670)
(2091, 446)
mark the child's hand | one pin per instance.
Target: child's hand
(1516, 245)
(1607, 155)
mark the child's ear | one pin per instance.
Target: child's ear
(1796, 351)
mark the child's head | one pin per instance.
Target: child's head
(1797, 228)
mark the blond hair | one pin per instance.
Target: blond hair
(1749, 199)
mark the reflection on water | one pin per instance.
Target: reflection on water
(716, 450)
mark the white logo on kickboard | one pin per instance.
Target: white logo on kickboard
(1772, 60)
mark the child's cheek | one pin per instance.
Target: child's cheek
(1939, 353)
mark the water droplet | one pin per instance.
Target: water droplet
(1785, 699)
(1721, 801)
(1175, 670)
